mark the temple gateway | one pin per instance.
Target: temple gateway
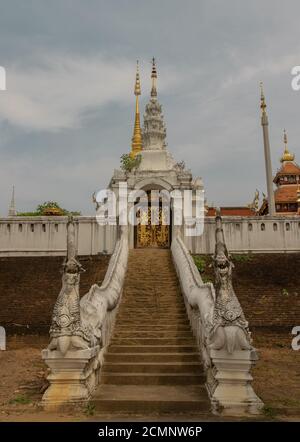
(155, 170)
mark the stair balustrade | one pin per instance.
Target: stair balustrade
(81, 329)
(220, 328)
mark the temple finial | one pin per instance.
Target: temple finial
(263, 105)
(154, 78)
(12, 208)
(287, 156)
(285, 138)
(137, 86)
(136, 144)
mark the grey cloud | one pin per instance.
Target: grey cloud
(61, 141)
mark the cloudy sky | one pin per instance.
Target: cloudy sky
(67, 114)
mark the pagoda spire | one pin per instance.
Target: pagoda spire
(287, 156)
(12, 208)
(154, 133)
(154, 79)
(136, 143)
(268, 162)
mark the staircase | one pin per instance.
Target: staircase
(152, 364)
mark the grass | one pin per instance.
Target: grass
(90, 410)
(269, 411)
(20, 399)
(200, 263)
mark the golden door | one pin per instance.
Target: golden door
(153, 235)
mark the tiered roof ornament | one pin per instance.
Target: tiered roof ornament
(287, 156)
(154, 132)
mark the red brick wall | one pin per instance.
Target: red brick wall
(29, 287)
(268, 287)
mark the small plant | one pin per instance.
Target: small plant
(269, 411)
(90, 409)
(128, 162)
(200, 263)
(20, 399)
(285, 292)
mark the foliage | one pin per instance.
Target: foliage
(200, 263)
(47, 205)
(241, 258)
(27, 214)
(269, 411)
(20, 399)
(128, 162)
(89, 409)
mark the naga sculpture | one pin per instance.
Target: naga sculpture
(66, 329)
(229, 326)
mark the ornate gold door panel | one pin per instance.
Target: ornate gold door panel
(152, 235)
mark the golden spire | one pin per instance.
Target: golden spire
(287, 156)
(136, 144)
(154, 78)
(263, 105)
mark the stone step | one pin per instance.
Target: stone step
(155, 334)
(114, 348)
(147, 399)
(152, 341)
(146, 311)
(152, 364)
(152, 367)
(153, 318)
(145, 305)
(153, 323)
(188, 378)
(152, 357)
(147, 327)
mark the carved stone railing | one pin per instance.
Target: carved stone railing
(199, 298)
(81, 330)
(220, 328)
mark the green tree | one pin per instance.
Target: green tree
(42, 208)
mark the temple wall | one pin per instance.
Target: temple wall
(250, 235)
(46, 236)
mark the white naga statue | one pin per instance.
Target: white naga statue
(229, 328)
(66, 328)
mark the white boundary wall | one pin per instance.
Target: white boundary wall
(250, 235)
(33, 236)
